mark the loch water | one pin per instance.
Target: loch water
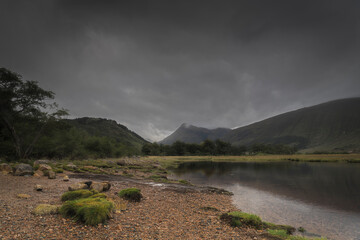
(323, 198)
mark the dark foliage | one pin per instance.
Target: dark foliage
(210, 148)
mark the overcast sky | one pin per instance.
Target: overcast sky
(153, 65)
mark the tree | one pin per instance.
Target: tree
(25, 110)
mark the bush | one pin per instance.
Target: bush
(131, 194)
(91, 211)
(73, 195)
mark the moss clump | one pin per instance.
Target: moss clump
(282, 234)
(73, 195)
(91, 211)
(46, 209)
(131, 194)
(240, 218)
(99, 195)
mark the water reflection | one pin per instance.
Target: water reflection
(332, 185)
(322, 197)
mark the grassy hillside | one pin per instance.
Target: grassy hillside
(192, 134)
(108, 128)
(331, 126)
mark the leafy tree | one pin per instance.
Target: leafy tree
(25, 110)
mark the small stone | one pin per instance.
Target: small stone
(66, 178)
(38, 187)
(24, 196)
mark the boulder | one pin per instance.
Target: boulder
(44, 167)
(72, 166)
(38, 162)
(51, 174)
(38, 187)
(88, 183)
(121, 162)
(23, 169)
(5, 168)
(100, 186)
(38, 173)
(78, 186)
(66, 178)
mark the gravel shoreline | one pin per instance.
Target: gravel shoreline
(164, 213)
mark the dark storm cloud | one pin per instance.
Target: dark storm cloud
(153, 65)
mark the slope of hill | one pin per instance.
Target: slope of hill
(108, 128)
(192, 134)
(331, 126)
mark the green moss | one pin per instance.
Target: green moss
(58, 170)
(246, 219)
(131, 194)
(91, 211)
(287, 228)
(99, 195)
(72, 195)
(46, 209)
(182, 181)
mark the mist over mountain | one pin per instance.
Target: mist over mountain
(330, 126)
(191, 134)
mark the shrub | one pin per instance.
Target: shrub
(91, 211)
(131, 194)
(73, 195)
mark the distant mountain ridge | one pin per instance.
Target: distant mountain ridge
(192, 134)
(330, 126)
(108, 128)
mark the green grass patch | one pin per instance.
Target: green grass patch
(240, 218)
(91, 211)
(73, 195)
(131, 194)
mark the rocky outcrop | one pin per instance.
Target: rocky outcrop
(23, 169)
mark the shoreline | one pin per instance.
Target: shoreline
(164, 213)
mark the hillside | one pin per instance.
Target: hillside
(331, 126)
(108, 128)
(192, 134)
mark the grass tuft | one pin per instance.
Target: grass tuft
(131, 194)
(73, 195)
(91, 211)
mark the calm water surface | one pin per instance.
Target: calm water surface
(324, 198)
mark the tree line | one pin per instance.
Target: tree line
(31, 126)
(213, 148)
